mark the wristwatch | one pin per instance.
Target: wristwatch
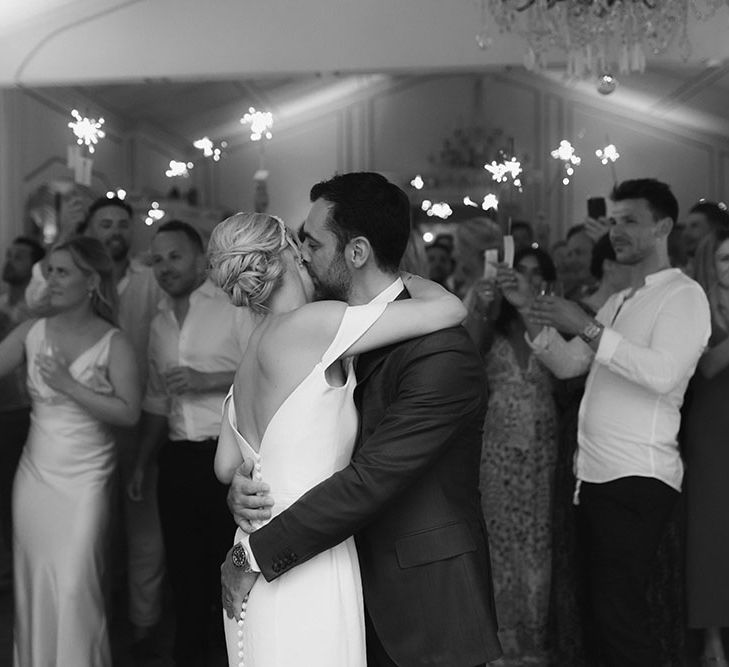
(240, 558)
(591, 331)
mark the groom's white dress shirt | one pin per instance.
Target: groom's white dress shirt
(630, 413)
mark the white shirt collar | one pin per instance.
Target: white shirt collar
(206, 289)
(661, 276)
(657, 278)
(390, 293)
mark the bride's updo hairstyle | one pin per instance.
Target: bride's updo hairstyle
(246, 257)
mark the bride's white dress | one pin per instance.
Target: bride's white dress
(61, 500)
(313, 614)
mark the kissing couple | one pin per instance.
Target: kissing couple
(351, 441)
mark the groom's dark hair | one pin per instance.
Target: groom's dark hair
(367, 204)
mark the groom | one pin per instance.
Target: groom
(410, 494)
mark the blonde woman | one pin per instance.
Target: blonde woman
(81, 377)
(291, 410)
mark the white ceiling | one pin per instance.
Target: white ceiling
(73, 41)
(188, 67)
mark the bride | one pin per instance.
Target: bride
(291, 411)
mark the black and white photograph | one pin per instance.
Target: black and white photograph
(364, 333)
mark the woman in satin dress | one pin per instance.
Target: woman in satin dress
(82, 376)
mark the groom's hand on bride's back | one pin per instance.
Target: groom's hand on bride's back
(248, 498)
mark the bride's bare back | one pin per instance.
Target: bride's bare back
(279, 356)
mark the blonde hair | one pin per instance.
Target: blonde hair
(245, 254)
(90, 256)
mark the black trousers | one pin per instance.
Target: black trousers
(198, 530)
(620, 526)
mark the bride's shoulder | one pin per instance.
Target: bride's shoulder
(309, 323)
(316, 315)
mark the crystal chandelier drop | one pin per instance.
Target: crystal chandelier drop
(597, 35)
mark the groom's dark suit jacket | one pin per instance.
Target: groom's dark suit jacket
(410, 496)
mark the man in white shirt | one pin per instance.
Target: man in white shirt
(109, 220)
(641, 350)
(196, 341)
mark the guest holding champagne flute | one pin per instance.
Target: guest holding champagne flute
(81, 377)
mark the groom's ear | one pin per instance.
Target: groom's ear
(357, 252)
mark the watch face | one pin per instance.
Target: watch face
(238, 555)
(592, 331)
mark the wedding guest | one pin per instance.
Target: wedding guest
(440, 262)
(707, 493)
(196, 341)
(446, 240)
(568, 638)
(109, 220)
(704, 218)
(20, 257)
(81, 377)
(523, 234)
(14, 400)
(701, 264)
(578, 282)
(517, 463)
(641, 349)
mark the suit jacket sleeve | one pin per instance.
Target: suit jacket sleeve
(439, 387)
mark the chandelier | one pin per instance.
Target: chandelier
(597, 36)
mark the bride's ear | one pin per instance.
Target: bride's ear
(357, 252)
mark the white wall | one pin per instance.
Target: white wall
(396, 130)
(34, 137)
(393, 131)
